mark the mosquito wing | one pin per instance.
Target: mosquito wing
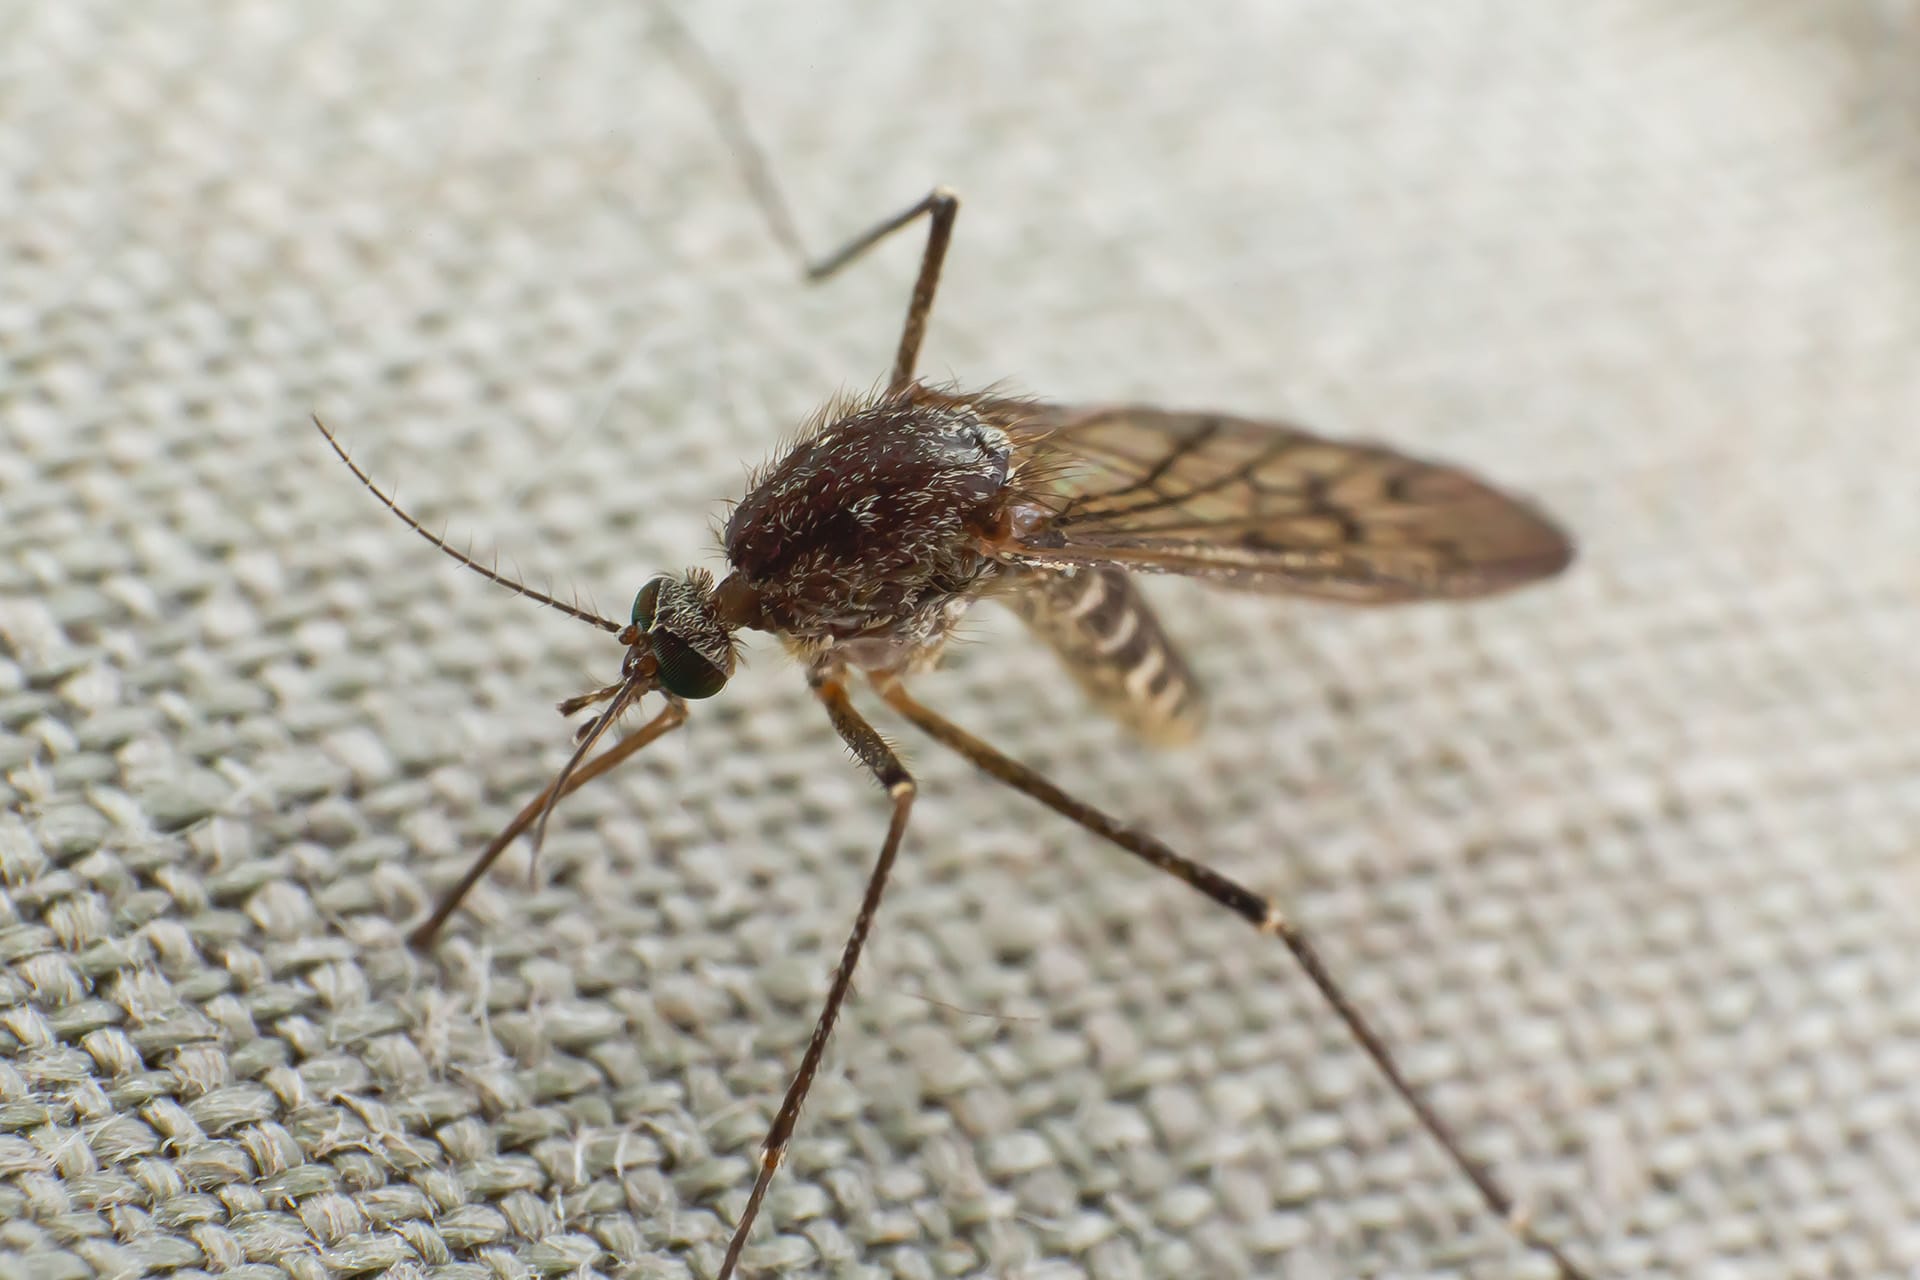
(1265, 507)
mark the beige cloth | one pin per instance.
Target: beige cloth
(1624, 866)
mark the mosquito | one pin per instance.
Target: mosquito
(862, 546)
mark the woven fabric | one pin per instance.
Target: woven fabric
(1623, 866)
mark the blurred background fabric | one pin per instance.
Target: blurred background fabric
(1624, 866)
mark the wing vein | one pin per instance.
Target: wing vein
(1268, 507)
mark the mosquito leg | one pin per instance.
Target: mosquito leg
(724, 105)
(873, 752)
(580, 702)
(1249, 906)
(939, 204)
(671, 716)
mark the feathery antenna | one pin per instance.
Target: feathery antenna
(490, 574)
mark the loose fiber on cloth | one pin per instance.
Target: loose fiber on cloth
(1624, 866)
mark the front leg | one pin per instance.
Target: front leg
(830, 687)
(941, 206)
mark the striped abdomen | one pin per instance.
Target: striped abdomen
(1113, 646)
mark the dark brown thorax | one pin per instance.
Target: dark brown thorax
(872, 523)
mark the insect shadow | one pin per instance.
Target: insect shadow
(862, 546)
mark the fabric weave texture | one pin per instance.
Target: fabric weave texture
(1624, 866)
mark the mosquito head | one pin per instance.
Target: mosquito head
(679, 629)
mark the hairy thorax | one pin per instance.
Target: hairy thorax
(866, 538)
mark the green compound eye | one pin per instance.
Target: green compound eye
(684, 673)
(645, 603)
